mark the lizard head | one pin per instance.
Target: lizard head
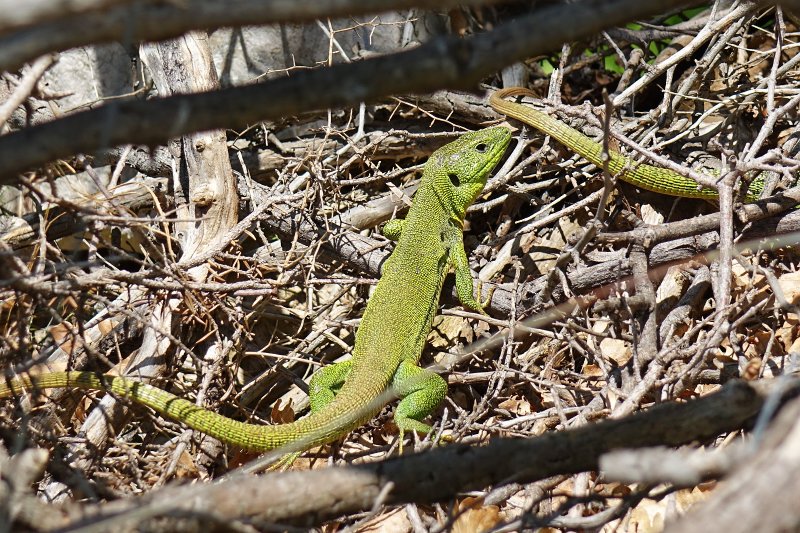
(461, 168)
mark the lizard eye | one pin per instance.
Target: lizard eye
(454, 179)
(482, 147)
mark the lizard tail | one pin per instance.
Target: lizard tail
(313, 430)
(649, 177)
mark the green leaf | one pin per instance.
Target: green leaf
(612, 65)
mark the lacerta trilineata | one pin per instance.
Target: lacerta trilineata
(649, 177)
(392, 333)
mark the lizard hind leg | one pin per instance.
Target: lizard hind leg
(324, 385)
(326, 382)
(421, 391)
(393, 229)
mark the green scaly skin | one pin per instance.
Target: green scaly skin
(648, 177)
(392, 334)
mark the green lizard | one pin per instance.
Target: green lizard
(391, 337)
(642, 175)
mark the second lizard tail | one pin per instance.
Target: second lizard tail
(648, 177)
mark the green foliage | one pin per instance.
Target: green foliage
(610, 60)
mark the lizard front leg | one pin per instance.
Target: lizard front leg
(464, 287)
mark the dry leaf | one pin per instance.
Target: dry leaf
(458, 22)
(758, 341)
(752, 369)
(105, 326)
(602, 79)
(687, 497)
(790, 285)
(648, 517)
(592, 371)
(81, 410)
(704, 389)
(651, 216)
(241, 457)
(394, 522)
(447, 330)
(282, 415)
(186, 468)
(786, 334)
(516, 405)
(601, 326)
(474, 517)
(740, 274)
(612, 490)
(671, 288)
(543, 256)
(616, 350)
(723, 358)
(62, 336)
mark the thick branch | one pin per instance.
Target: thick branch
(446, 62)
(317, 495)
(762, 494)
(55, 27)
(18, 15)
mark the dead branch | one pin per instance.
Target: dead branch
(760, 494)
(38, 26)
(444, 62)
(309, 498)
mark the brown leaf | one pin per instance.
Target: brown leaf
(612, 490)
(282, 415)
(790, 285)
(186, 468)
(592, 371)
(447, 330)
(616, 350)
(458, 22)
(393, 522)
(688, 497)
(648, 517)
(241, 457)
(63, 336)
(516, 405)
(474, 517)
(602, 78)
